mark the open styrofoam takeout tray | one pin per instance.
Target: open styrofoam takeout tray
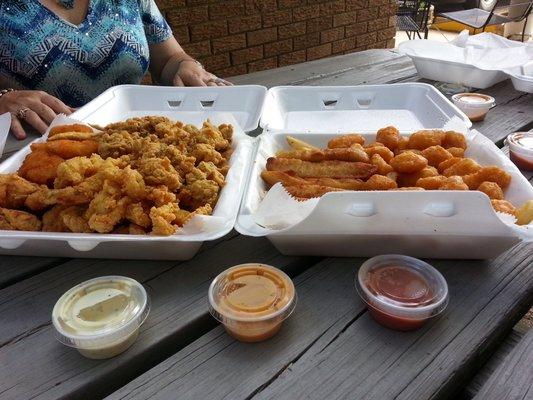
(433, 224)
(314, 113)
(239, 105)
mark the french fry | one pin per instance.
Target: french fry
(325, 169)
(298, 144)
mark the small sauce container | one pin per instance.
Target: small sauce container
(521, 149)
(402, 293)
(252, 301)
(101, 317)
(474, 105)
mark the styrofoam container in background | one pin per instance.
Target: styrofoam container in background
(459, 73)
(238, 105)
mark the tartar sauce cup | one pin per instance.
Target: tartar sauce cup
(101, 317)
(401, 292)
(521, 149)
(474, 105)
(252, 301)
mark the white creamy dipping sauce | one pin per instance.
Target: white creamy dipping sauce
(101, 317)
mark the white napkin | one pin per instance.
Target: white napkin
(279, 210)
(5, 124)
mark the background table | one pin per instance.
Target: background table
(329, 348)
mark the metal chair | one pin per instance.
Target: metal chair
(479, 19)
(412, 17)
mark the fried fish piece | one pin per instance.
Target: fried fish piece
(69, 128)
(40, 167)
(74, 136)
(346, 141)
(325, 169)
(341, 183)
(338, 154)
(66, 149)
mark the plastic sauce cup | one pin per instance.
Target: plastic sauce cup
(521, 149)
(101, 317)
(401, 292)
(252, 301)
(474, 105)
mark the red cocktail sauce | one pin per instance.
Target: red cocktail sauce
(402, 285)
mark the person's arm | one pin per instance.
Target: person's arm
(170, 65)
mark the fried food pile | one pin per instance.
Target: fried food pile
(145, 175)
(426, 160)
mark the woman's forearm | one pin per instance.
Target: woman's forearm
(165, 59)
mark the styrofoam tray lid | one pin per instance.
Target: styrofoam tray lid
(408, 106)
(120, 102)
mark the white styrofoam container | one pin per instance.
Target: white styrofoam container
(408, 106)
(239, 105)
(433, 224)
(522, 77)
(455, 72)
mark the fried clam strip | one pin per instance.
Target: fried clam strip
(325, 169)
(52, 221)
(169, 217)
(107, 208)
(14, 190)
(74, 219)
(18, 220)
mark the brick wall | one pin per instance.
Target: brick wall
(233, 37)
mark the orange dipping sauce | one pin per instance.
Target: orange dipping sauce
(521, 150)
(401, 292)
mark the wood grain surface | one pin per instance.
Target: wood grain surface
(329, 348)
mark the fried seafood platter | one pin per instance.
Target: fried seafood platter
(146, 175)
(424, 160)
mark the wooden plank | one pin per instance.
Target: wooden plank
(355, 68)
(513, 380)
(179, 315)
(14, 269)
(331, 348)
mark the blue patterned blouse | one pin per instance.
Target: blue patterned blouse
(41, 51)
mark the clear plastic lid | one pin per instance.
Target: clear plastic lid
(402, 286)
(521, 142)
(100, 312)
(251, 292)
(473, 100)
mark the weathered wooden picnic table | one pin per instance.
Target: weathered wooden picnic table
(329, 348)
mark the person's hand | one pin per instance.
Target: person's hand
(32, 108)
(191, 73)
